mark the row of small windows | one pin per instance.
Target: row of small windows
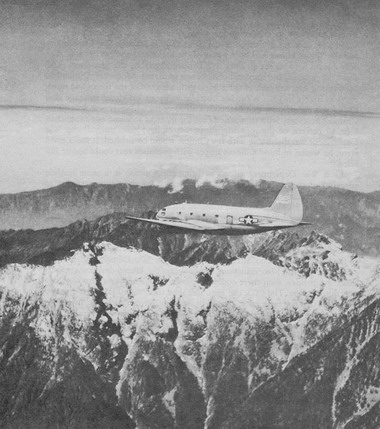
(204, 214)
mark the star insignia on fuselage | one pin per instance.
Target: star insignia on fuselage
(249, 220)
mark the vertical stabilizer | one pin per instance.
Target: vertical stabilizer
(288, 203)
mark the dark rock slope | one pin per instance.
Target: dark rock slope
(335, 384)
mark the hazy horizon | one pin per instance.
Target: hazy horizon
(151, 91)
(176, 183)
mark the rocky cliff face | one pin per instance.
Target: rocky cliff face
(117, 337)
(352, 218)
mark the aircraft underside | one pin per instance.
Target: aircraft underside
(228, 230)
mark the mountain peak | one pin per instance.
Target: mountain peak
(68, 185)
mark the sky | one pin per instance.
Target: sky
(154, 91)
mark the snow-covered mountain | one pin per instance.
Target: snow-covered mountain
(114, 337)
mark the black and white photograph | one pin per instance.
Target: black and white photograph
(189, 214)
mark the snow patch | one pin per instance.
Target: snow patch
(169, 401)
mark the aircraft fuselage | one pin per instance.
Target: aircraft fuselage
(286, 211)
(236, 220)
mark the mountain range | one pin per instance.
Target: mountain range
(351, 218)
(110, 323)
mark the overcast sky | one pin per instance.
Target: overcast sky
(148, 91)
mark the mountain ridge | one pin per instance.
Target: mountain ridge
(349, 217)
(115, 323)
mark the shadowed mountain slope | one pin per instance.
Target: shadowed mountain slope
(45, 246)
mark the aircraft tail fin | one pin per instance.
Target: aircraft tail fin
(288, 203)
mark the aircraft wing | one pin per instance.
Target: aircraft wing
(194, 225)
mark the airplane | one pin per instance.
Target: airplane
(286, 211)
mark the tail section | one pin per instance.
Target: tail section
(288, 203)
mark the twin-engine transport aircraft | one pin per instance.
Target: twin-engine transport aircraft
(285, 212)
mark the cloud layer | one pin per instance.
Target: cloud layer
(144, 91)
